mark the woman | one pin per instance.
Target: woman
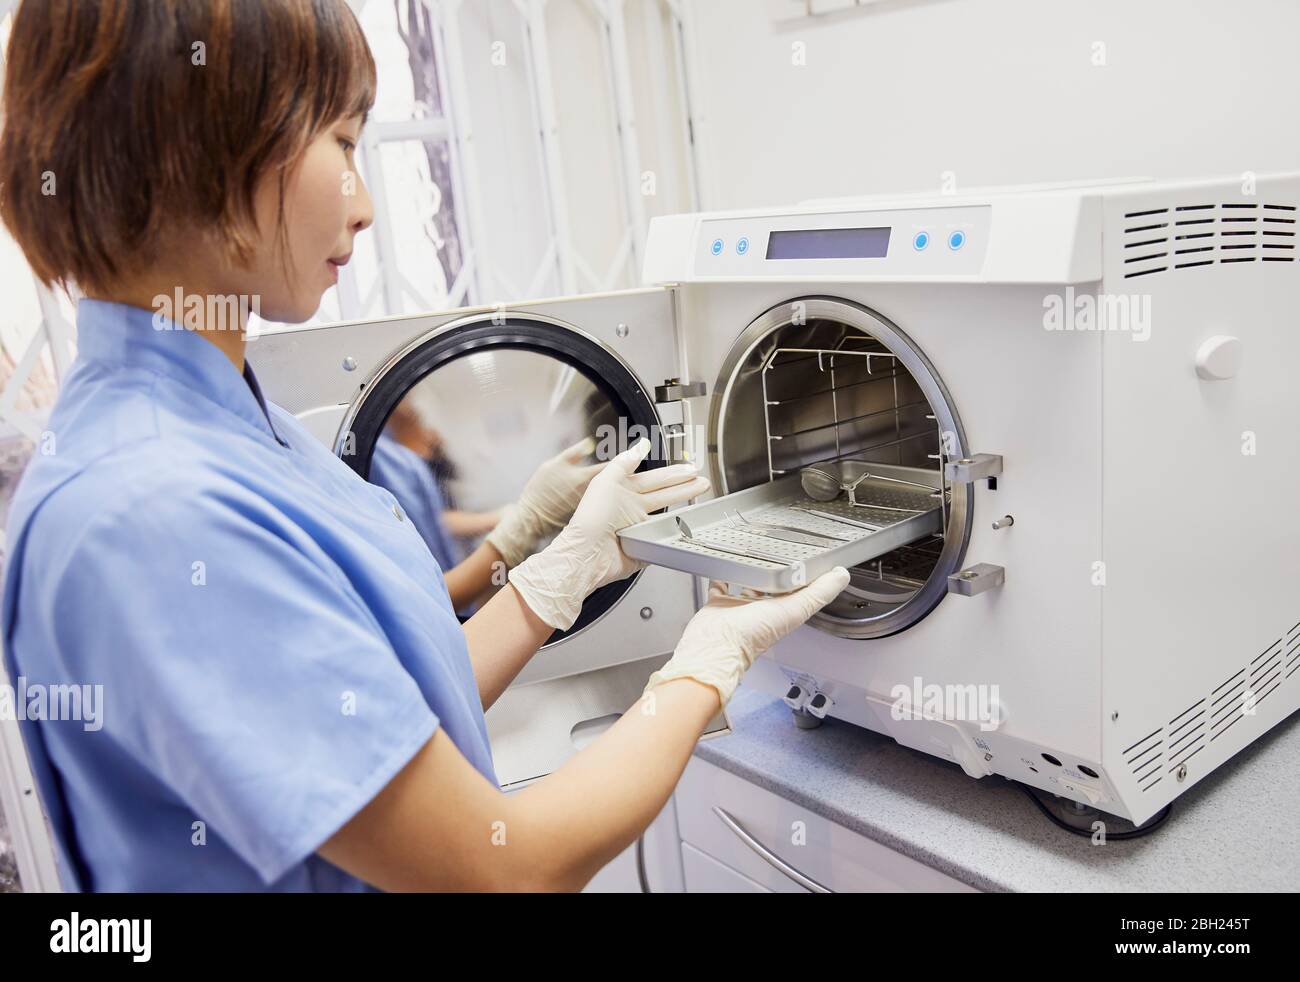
(289, 702)
(402, 463)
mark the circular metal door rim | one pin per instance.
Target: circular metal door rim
(960, 517)
(396, 359)
(607, 597)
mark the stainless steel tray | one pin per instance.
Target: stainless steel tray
(905, 514)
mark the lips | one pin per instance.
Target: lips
(334, 264)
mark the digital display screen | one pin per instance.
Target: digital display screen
(829, 243)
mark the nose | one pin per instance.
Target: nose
(361, 215)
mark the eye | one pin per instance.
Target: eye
(347, 145)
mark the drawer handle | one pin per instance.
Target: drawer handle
(765, 854)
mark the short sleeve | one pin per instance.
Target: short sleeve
(239, 667)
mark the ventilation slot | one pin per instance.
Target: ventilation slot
(1266, 673)
(1239, 696)
(1226, 705)
(1145, 757)
(1186, 735)
(1193, 235)
(1146, 242)
(1292, 652)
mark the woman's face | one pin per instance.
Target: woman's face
(325, 206)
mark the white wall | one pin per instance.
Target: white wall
(509, 171)
(997, 91)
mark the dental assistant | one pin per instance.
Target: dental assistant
(289, 701)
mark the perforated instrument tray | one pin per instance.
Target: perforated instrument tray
(658, 540)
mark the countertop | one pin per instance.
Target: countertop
(1236, 830)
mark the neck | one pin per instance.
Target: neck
(219, 319)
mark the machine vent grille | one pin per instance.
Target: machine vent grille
(1168, 747)
(1187, 236)
(1241, 693)
(1266, 672)
(1186, 735)
(1145, 759)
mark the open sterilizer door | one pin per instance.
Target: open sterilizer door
(493, 392)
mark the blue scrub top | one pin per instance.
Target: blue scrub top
(273, 638)
(408, 476)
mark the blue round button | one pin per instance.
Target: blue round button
(956, 240)
(716, 248)
(742, 246)
(921, 240)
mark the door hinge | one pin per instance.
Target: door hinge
(674, 390)
(976, 467)
(976, 579)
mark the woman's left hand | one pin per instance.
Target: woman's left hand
(546, 504)
(587, 554)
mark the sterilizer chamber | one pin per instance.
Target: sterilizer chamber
(823, 379)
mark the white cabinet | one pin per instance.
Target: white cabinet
(777, 845)
(704, 874)
(662, 857)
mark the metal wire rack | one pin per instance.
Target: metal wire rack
(837, 392)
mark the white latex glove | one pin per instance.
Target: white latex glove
(587, 555)
(728, 633)
(546, 503)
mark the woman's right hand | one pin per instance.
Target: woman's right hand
(728, 633)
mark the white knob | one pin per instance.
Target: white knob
(1219, 357)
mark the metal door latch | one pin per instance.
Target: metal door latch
(671, 398)
(976, 579)
(973, 468)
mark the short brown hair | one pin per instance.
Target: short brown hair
(143, 113)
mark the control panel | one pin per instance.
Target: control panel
(931, 241)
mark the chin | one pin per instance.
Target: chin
(291, 312)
